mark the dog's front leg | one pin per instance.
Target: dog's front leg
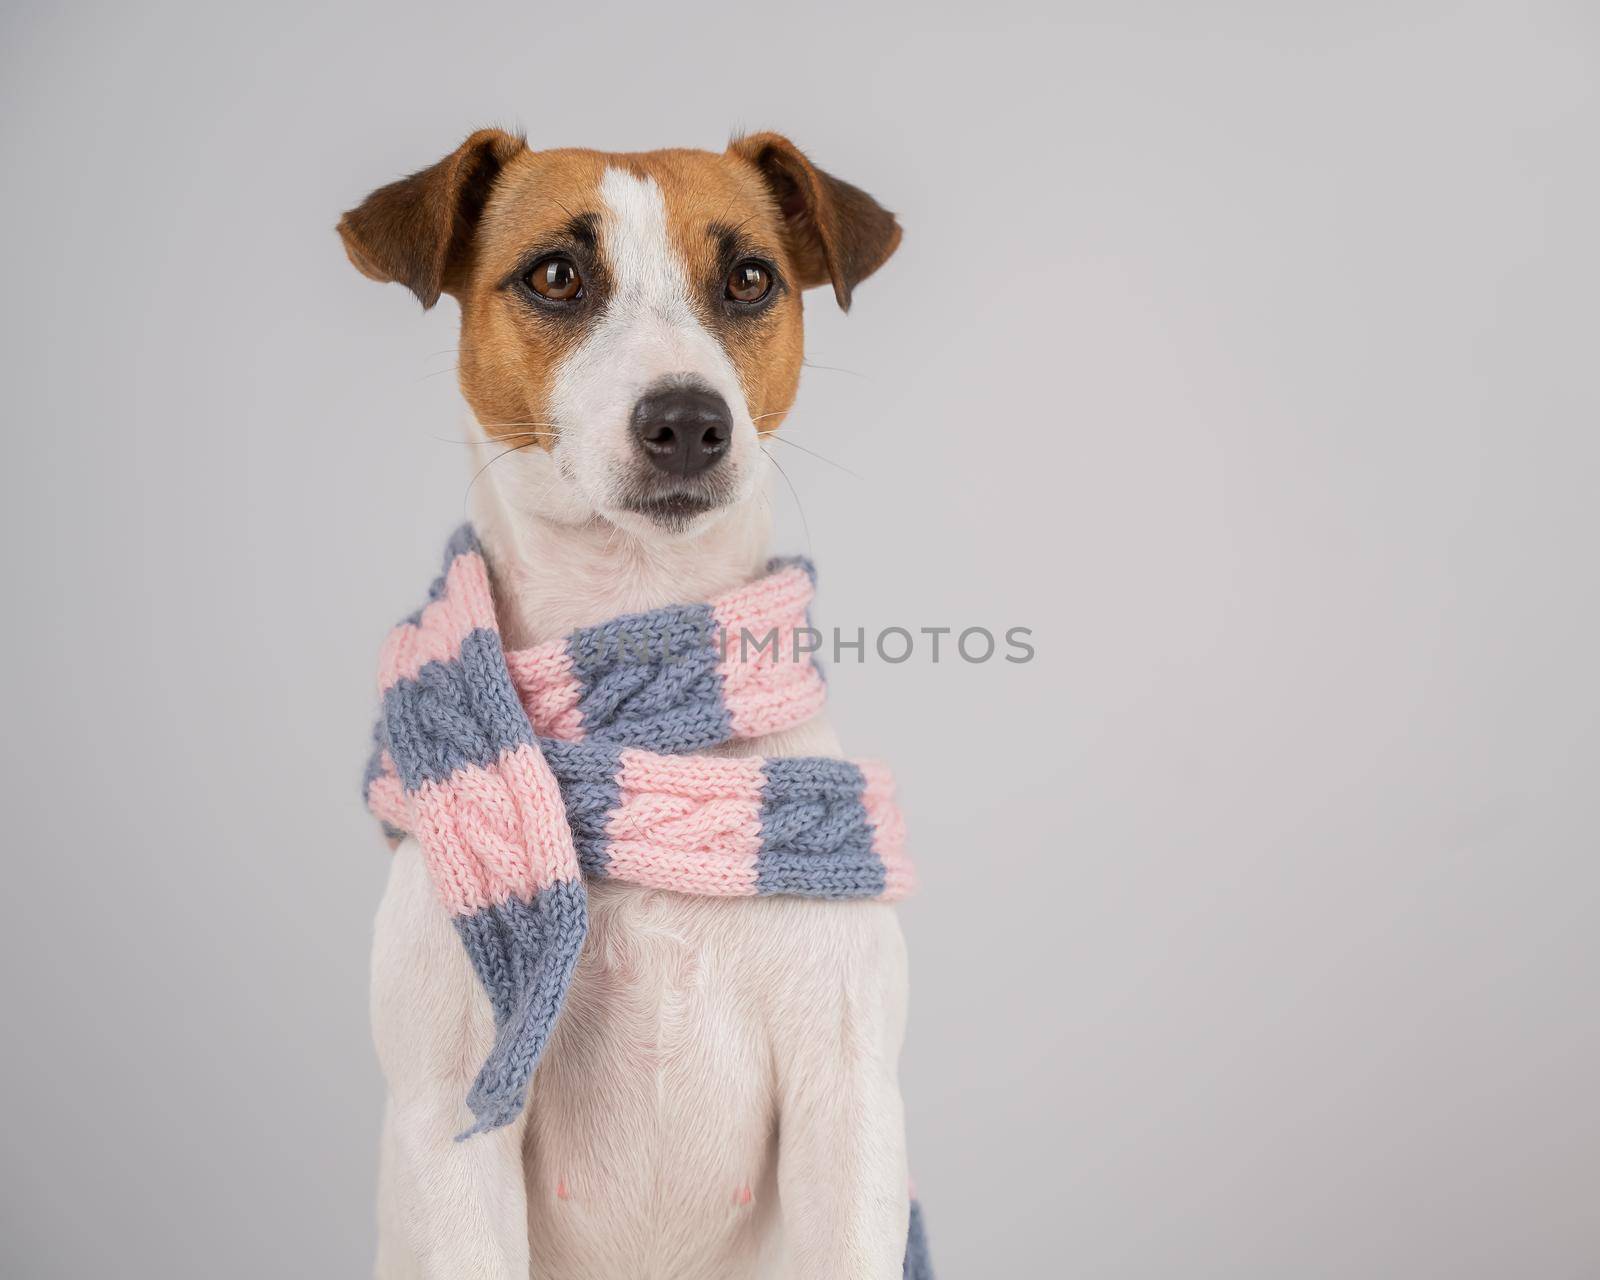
(461, 1206)
(841, 1126)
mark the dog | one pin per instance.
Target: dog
(719, 1097)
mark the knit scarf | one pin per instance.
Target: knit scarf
(523, 772)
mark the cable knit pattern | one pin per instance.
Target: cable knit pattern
(521, 773)
(609, 681)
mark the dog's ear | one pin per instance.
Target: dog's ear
(835, 231)
(419, 230)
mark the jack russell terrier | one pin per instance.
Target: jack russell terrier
(719, 1097)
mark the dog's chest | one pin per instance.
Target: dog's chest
(652, 1119)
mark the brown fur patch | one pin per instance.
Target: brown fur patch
(509, 354)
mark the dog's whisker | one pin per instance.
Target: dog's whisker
(511, 435)
(505, 435)
(819, 457)
(833, 368)
(466, 498)
(799, 506)
(727, 206)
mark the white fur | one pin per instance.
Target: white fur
(649, 332)
(708, 1046)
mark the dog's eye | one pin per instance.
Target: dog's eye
(557, 279)
(749, 282)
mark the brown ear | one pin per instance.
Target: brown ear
(418, 231)
(835, 231)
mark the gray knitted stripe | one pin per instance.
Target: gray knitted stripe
(524, 954)
(653, 680)
(919, 1262)
(374, 769)
(815, 837)
(454, 714)
(587, 774)
(778, 563)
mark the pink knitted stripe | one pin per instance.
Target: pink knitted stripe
(888, 828)
(387, 800)
(688, 824)
(548, 690)
(784, 594)
(756, 708)
(765, 687)
(493, 834)
(444, 623)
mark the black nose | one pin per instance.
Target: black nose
(683, 430)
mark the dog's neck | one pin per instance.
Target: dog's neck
(552, 576)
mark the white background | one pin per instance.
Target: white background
(1245, 353)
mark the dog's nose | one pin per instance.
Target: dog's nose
(683, 430)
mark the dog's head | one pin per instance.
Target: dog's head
(630, 324)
